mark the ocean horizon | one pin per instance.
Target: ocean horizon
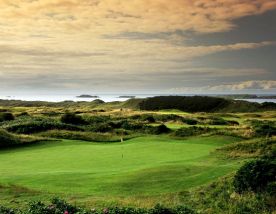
(104, 97)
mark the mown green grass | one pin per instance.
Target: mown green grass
(144, 166)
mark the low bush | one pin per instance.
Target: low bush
(220, 197)
(250, 148)
(263, 127)
(6, 116)
(86, 136)
(189, 121)
(58, 206)
(233, 123)
(4, 210)
(34, 125)
(216, 121)
(161, 129)
(96, 119)
(167, 117)
(132, 126)
(255, 176)
(191, 131)
(22, 114)
(7, 139)
(72, 118)
(101, 127)
(40, 126)
(150, 119)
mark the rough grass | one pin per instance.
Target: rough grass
(85, 136)
(220, 197)
(250, 148)
(144, 167)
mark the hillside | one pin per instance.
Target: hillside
(202, 104)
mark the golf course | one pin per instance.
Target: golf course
(97, 155)
(118, 169)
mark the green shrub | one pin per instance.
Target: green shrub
(161, 129)
(23, 114)
(191, 131)
(96, 119)
(59, 206)
(271, 189)
(255, 176)
(7, 139)
(6, 116)
(167, 117)
(233, 123)
(72, 118)
(150, 119)
(263, 127)
(86, 136)
(250, 148)
(101, 127)
(189, 121)
(37, 126)
(132, 126)
(216, 121)
(116, 124)
(4, 210)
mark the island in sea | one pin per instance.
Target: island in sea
(127, 96)
(87, 96)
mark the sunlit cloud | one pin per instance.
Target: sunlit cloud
(265, 85)
(103, 39)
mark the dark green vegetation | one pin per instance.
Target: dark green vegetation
(255, 176)
(58, 206)
(202, 104)
(108, 155)
(183, 103)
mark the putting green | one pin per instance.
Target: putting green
(142, 166)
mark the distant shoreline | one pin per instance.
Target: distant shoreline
(87, 96)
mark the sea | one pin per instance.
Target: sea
(104, 97)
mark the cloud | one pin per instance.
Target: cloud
(146, 15)
(265, 85)
(92, 41)
(251, 85)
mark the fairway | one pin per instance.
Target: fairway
(142, 166)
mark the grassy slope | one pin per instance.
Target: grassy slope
(142, 167)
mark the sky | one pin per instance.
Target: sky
(137, 46)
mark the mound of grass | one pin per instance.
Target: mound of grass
(6, 116)
(161, 129)
(7, 139)
(132, 103)
(72, 118)
(187, 104)
(86, 136)
(28, 125)
(251, 148)
(220, 197)
(191, 131)
(255, 176)
(263, 127)
(10, 140)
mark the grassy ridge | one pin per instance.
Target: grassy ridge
(182, 103)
